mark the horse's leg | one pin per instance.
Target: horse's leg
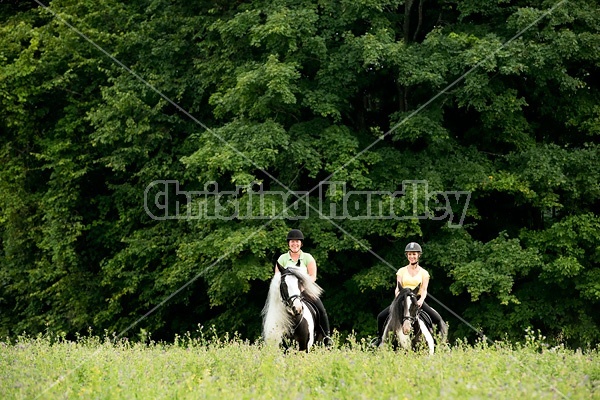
(302, 336)
(385, 334)
(389, 335)
(285, 344)
(404, 340)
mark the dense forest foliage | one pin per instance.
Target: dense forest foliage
(154, 155)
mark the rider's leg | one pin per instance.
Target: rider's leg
(437, 320)
(323, 319)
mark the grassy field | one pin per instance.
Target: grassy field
(96, 368)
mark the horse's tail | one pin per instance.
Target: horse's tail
(276, 321)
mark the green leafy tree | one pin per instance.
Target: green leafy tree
(475, 122)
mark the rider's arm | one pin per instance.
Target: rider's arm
(279, 261)
(311, 267)
(399, 275)
(423, 290)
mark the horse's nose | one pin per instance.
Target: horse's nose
(406, 327)
(297, 307)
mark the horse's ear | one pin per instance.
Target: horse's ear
(416, 290)
(280, 268)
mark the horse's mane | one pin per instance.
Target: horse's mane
(396, 309)
(310, 288)
(276, 319)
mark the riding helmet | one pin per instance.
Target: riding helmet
(295, 234)
(413, 246)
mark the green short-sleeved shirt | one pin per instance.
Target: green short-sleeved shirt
(285, 260)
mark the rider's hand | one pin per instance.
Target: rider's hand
(420, 302)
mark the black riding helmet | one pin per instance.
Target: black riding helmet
(295, 234)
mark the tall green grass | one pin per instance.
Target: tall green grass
(230, 368)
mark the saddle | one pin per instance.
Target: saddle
(426, 319)
(312, 307)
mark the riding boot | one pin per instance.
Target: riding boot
(375, 342)
(443, 330)
(323, 321)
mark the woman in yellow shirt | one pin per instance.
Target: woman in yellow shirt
(413, 276)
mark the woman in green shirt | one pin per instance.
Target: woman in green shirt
(295, 257)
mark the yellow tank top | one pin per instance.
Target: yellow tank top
(409, 281)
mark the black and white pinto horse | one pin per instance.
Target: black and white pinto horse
(288, 313)
(407, 325)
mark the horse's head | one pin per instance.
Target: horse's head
(410, 308)
(291, 291)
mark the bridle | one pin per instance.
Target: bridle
(288, 300)
(408, 317)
